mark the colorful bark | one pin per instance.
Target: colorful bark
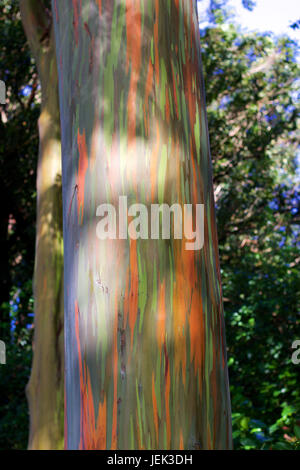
(46, 385)
(144, 332)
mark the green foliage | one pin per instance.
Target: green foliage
(14, 418)
(251, 83)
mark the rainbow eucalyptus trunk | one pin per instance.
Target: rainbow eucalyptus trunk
(46, 385)
(144, 332)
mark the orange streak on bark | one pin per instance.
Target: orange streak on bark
(90, 437)
(155, 412)
(82, 169)
(156, 42)
(174, 92)
(134, 54)
(189, 271)
(190, 23)
(161, 315)
(167, 106)
(101, 426)
(145, 121)
(181, 444)
(148, 89)
(167, 399)
(179, 323)
(82, 386)
(89, 424)
(126, 299)
(181, 304)
(194, 172)
(100, 7)
(197, 331)
(134, 284)
(153, 164)
(185, 274)
(190, 72)
(209, 447)
(115, 369)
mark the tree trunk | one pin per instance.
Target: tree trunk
(46, 385)
(144, 333)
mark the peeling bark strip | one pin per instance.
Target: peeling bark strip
(144, 331)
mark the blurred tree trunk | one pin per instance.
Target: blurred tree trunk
(46, 385)
(145, 342)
